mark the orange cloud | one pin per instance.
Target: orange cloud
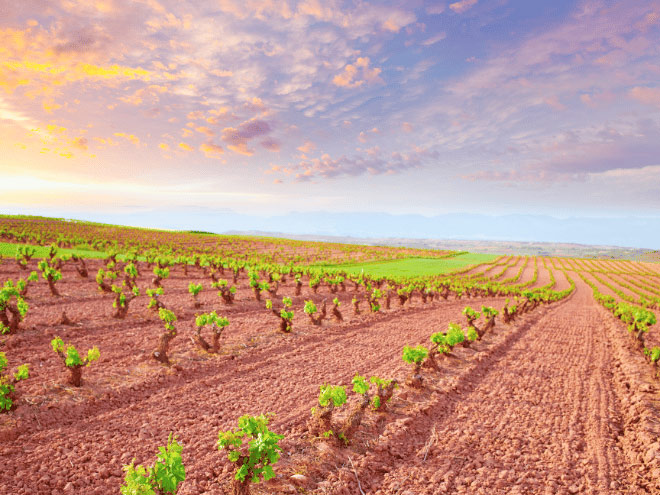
(80, 143)
(50, 105)
(222, 73)
(185, 147)
(345, 79)
(131, 137)
(205, 130)
(211, 150)
(356, 75)
(196, 115)
(307, 147)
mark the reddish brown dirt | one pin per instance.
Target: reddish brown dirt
(528, 273)
(550, 404)
(511, 270)
(480, 270)
(652, 338)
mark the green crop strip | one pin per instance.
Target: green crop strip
(414, 267)
(8, 250)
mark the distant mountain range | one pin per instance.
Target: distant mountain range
(634, 232)
(494, 247)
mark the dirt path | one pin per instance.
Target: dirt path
(543, 416)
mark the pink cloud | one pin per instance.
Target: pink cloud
(553, 102)
(462, 6)
(648, 96)
(373, 163)
(572, 158)
(307, 147)
(356, 75)
(237, 138)
(211, 150)
(434, 39)
(271, 144)
(596, 100)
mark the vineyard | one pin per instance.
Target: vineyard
(141, 361)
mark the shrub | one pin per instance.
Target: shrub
(24, 255)
(415, 356)
(226, 292)
(7, 382)
(130, 275)
(384, 391)
(168, 318)
(254, 450)
(51, 275)
(311, 311)
(194, 290)
(356, 305)
(122, 300)
(104, 279)
(471, 315)
(454, 335)
(71, 359)
(374, 300)
(154, 302)
(160, 274)
(285, 314)
(489, 314)
(24, 285)
(330, 397)
(163, 478)
(13, 308)
(335, 310)
(354, 418)
(217, 324)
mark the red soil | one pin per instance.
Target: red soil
(554, 403)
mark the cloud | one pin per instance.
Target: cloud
(211, 150)
(595, 100)
(435, 9)
(573, 157)
(462, 6)
(237, 138)
(80, 143)
(364, 136)
(185, 147)
(648, 96)
(205, 130)
(130, 137)
(356, 75)
(434, 39)
(271, 144)
(553, 102)
(307, 147)
(374, 163)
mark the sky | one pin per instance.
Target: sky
(264, 107)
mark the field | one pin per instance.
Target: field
(555, 395)
(414, 267)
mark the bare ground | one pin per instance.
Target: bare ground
(555, 403)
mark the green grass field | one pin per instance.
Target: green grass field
(8, 250)
(409, 267)
(415, 267)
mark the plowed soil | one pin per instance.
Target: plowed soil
(555, 403)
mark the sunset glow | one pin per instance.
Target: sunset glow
(261, 106)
